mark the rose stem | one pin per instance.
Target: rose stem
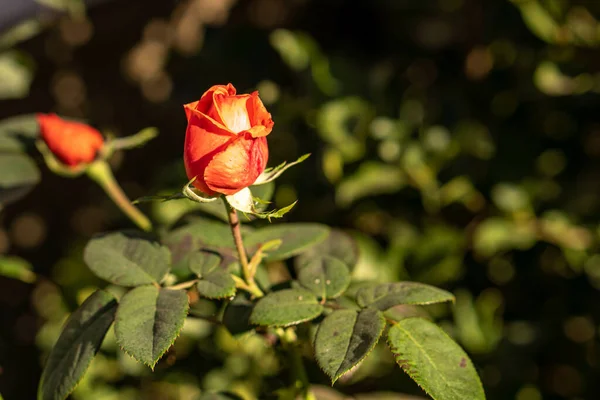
(235, 224)
(100, 172)
(290, 343)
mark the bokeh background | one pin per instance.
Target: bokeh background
(457, 140)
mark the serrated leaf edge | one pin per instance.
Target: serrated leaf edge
(338, 375)
(228, 294)
(418, 303)
(178, 332)
(406, 366)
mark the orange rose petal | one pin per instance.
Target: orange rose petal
(200, 147)
(233, 112)
(189, 109)
(237, 166)
(207, 122)
(260, 118)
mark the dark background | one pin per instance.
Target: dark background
(511, 85)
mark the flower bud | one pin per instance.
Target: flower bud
(225, 144)
(72, 143)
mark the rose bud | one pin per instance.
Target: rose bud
(225, 141)
(72, 143)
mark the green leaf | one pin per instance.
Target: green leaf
(200, 234)
(327, 277)
(433, 360)
(216, 285)
(127, 258)
(387, 295)
(295, 239)
(77, 345)
(16, 74)
(220, 396)
(149, 320)
(17, 134)
(338, 244)
(371, 179)
(19, 175)
(286, 307)
(345, 338)
(202, 262)
(16, 268)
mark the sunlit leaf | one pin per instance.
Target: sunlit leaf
(387, 295)
(286, 307)
(433, 360)
(327, 277)
(149, 320)
(127, 258)
(295, 239)
(16, 268)
(16, 75)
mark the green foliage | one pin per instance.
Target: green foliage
(426, 353)
(18, 133)
(295, 239)
(19, 174)
(127, 259)
(214, 283)
(327, 277)
(345, 338)
(286, 307)
(149, 320)
(220, 396)
(387, 295)
(198, 234)
(338, 244)
(16, 268)
(77, 345)
(236, 317)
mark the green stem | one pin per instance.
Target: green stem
(299, 375)
(100, 172)
(235, 224)
(183, 285)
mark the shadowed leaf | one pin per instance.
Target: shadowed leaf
(77, 345)
(345, 338)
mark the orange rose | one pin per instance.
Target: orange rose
(73, 143)
(225, 141)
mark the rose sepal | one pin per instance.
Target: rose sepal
(138, 139)
(246, 203)
(270, 174)
(55, 165)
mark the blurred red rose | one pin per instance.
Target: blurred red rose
(225, 141)
(73, 143)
